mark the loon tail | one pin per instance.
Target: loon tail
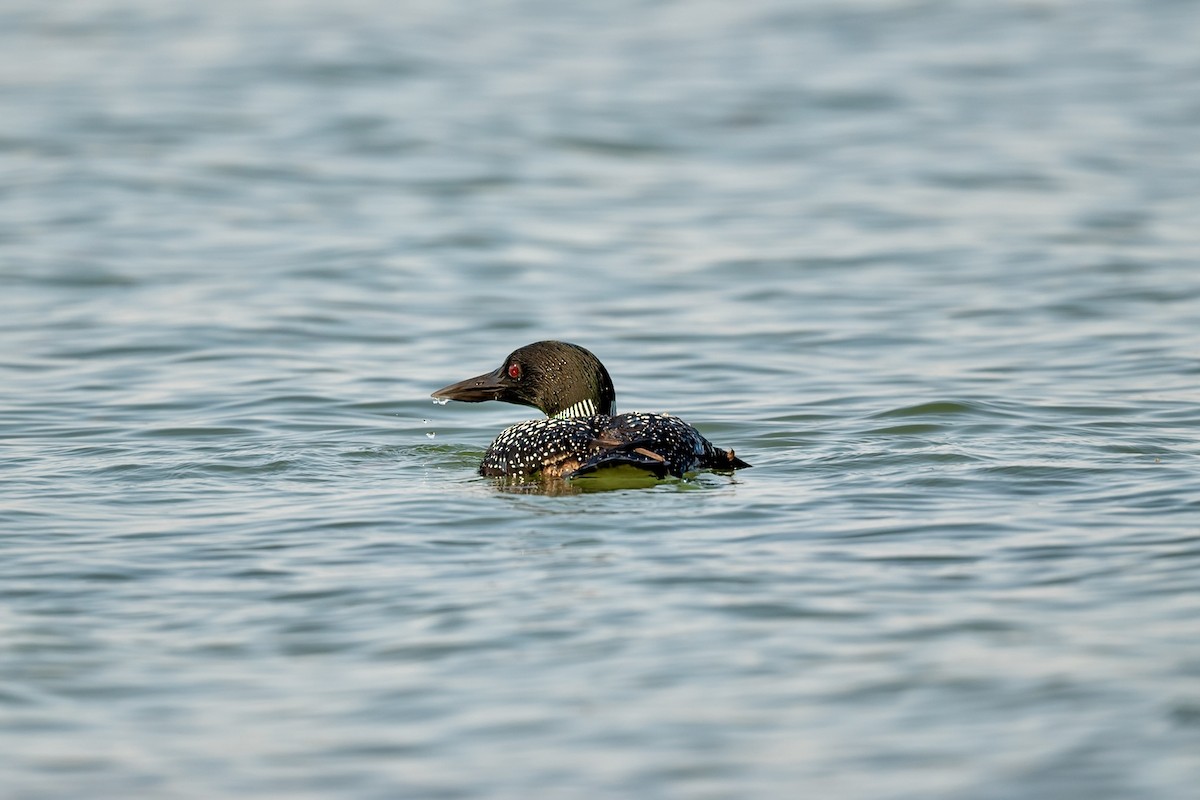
(724, 460)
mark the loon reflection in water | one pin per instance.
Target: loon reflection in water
(582, 432)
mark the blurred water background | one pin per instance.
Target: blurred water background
(932, 267)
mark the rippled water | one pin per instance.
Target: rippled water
(931, 267)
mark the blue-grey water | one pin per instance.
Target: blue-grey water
(932, 267)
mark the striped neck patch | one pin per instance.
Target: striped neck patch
(584, 408)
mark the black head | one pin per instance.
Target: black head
(556, 377)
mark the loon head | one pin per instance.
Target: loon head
(561, 379)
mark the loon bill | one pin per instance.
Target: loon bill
(582, 432)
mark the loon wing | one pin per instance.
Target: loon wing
(615, 453)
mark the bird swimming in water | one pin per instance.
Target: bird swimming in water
(582, 433)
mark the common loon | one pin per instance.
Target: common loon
(582, 432)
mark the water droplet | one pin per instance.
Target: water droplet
(441, 401)
(430, 435)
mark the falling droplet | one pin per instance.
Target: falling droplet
(430, 435)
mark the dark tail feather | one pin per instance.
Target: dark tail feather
(726, 460)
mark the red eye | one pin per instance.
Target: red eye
(514, 371)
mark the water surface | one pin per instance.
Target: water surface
(930, 267)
